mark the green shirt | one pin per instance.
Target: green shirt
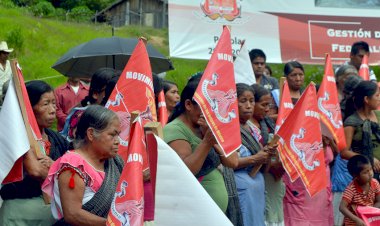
(213, 182)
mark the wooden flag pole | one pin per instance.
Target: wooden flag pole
(282, 81)
(33, 142)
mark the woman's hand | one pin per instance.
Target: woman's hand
(206, 131)
(261, 157)
(376, 165)
(46, 161)
(146, 175)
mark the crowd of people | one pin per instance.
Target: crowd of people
(81, 168)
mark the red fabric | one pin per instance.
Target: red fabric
(133, 92)
(128, 204)
(286, 106)
(302, 142)
(66, 99)
(216, 96)
(370, 215)
(364, 69)
(329, 107)
(162, 111)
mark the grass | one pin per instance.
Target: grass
(46, 40)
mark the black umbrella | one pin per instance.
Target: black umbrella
(113, 52)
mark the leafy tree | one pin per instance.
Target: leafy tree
(43, 9)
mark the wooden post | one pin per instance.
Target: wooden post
(282, 81)
(17, 83)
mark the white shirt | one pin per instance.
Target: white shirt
(5, 75)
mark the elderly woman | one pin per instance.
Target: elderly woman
(195, 144)
(251, 189)
(23, 202)
(295, 76)
(82, 182)
(340, 77)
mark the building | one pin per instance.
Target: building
(151, 13)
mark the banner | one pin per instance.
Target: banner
(329, 107)
(180, 198)
(128, 204)
(301, 139)
(285, 30)
(216, 96)
(14, 141)
(364, 69)
(133, 92)
(162, 110)
(243, 67)
(370, 215)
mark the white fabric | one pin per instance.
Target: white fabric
(243, 68)
(13, 137)
(5, 75)
(338, 216)
(75, 89)
(180, 198)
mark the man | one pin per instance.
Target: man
(258, 61)
(5, 65)
(68, 96)
(358, 50)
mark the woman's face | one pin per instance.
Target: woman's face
(193, 111)
(262, 107)
(171, 97)
(246, 104)
(107, 142)
(295, 79)
(374, 101)
(45, 110)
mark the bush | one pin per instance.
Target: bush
(15, 39)
(81, 14)
(43, 9)
(7, 3)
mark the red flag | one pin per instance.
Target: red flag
(286, 106)
(128, 204)
(328, 104)
(34, 133)
(133, 92)
(364, 69)
(162, 111)
(302, 142)
(369, 214)
(216, 96)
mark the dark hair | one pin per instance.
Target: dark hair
(157, 84)
(259, 92)
(167, 85)
(357, 46)
(242, 87)
(345, 69)
(290, 66)
(96, 117)
(254, 53)
(355, 164)
(109, 88)
(352, 81)
(36, 89)
(362, 90)
(98, 82)
(187, 94)
(269, 69)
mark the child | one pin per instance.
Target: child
(362, 191)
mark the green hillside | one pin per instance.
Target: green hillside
(40, 42)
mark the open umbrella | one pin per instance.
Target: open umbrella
(114, 52)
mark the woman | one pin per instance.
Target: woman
(341, 75)
(295, 76)
(171, 95)
(82, 183)
(362, 124)
(23, 203)
(251, 190)
(96, 95)
(189, 135)
(264, 128)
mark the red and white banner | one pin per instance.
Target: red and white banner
(162, 110)
(329, 107)
(364, 69)
(128, 205)
(370, 215)
(285, 30)
(133, 92)
(301, 140)
(216, 96)
(286, 106)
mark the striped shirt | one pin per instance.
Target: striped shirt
(354, 195)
